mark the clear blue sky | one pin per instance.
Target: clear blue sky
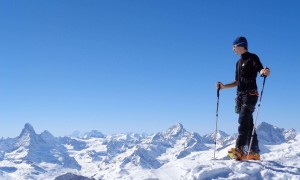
(141, 65)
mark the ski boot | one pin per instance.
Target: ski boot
(252, 156)
(236, 153)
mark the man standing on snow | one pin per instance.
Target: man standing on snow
(247, 68)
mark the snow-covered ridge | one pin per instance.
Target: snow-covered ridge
(173, 154)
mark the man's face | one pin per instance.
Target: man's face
(238, 49)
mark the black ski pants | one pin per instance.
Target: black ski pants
(247, 102)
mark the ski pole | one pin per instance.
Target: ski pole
(217, 116)
(258, 107)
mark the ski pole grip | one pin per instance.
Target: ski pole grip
(263, 74)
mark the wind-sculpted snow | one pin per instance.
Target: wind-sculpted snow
(173, 154)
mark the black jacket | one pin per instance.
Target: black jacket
(247, 68)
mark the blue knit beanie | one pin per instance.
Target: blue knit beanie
(241, 41)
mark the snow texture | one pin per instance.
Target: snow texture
(173, 154)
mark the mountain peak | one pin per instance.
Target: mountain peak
(177, 127)
(269, 134)
(28, 126)
(46, 135)
(266, 125)
(93, 134)
(28, 129)
(220, 134)
(175, 130)
(210, 138)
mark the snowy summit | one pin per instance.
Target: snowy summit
(173, 154)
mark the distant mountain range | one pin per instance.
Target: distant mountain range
(94, 155)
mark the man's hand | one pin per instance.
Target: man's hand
(265, 72)
(219, 85)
